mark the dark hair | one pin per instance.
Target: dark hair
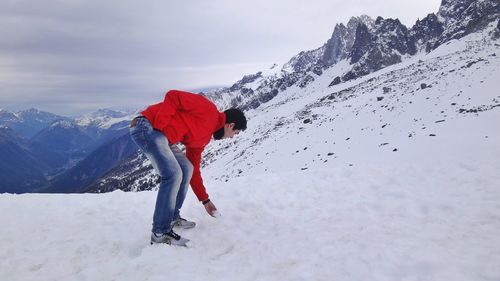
(236, 116)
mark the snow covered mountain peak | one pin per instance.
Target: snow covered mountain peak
(353, 23)
(6, 115)
(36, 114)
(65, 124)
(29, 122)
(105, 118)
(396, 109)
(108, 112)
(367, 46)
(31, 111)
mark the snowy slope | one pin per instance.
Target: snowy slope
(408, 220)
(423, 101)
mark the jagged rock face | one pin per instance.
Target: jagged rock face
(393, 35)
(306, 80)
(380, 47)
(336, 46)
(245, 80)
(382, 44)
(374, 60)
(426, 31)
(339, 46)
(362, 44)
(461, 17)
(369, 45)
(305, 60)
(450, 10)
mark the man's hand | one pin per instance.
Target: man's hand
(211, 210)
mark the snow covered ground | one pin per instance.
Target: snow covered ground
(402, 218)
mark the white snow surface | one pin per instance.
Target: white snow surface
(403, 188)
(398, 220)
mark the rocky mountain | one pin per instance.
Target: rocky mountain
(102, 120)
(376, 86)
(430, 100)
(28, 123)
(461, 17)
(364, 46)
(337, 48)
(96, 164)
(389, 41)
(380, 47)
(63, 137)
(104, 125)
(340, 45)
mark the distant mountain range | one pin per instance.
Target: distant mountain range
(27, 123)
(93, 166)
(369, 69)
(41, 149)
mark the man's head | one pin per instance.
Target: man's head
(235, 122)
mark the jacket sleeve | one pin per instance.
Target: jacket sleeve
(194, 155)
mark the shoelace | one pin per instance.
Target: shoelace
(174, 235)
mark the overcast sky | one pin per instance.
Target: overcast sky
(74, 56)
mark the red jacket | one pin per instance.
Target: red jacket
(190, 119)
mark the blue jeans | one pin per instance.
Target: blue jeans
(171, 164)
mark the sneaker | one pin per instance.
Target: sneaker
(170, 238)
(183, 223)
